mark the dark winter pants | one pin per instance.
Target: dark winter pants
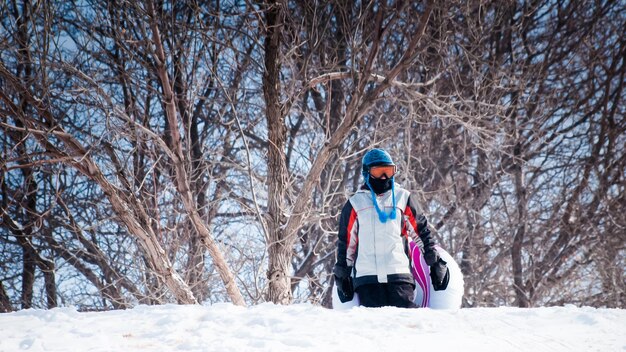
(390, 294)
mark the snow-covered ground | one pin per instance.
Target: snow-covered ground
(303, 327)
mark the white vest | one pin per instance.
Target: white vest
(380, 245)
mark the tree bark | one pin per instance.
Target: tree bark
(522, 299)
(279, 247)
(521, 296)
(5, 302)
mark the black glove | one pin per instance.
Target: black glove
(440, 275)
(431, 257)
(343, 281)
(422, 225)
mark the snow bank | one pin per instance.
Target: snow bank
(303, 327)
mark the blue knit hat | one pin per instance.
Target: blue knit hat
(377, 157)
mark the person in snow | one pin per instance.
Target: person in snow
(374, 229)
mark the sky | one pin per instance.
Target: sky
(307, 327)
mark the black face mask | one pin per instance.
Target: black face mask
(380, 185)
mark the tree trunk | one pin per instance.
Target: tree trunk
(28, 277)
(47, 267)
(521, 297)
(279, 246)
(5, 302)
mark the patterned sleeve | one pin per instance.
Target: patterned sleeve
(416, 226)
(348, 239)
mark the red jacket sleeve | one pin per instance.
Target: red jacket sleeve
(416, 225)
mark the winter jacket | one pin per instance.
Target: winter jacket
(378, 252)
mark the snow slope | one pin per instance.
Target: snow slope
(303, 327)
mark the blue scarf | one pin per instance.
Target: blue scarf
(382, 216)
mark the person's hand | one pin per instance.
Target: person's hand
(431, 256)
(439, 274)
(343, 281)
